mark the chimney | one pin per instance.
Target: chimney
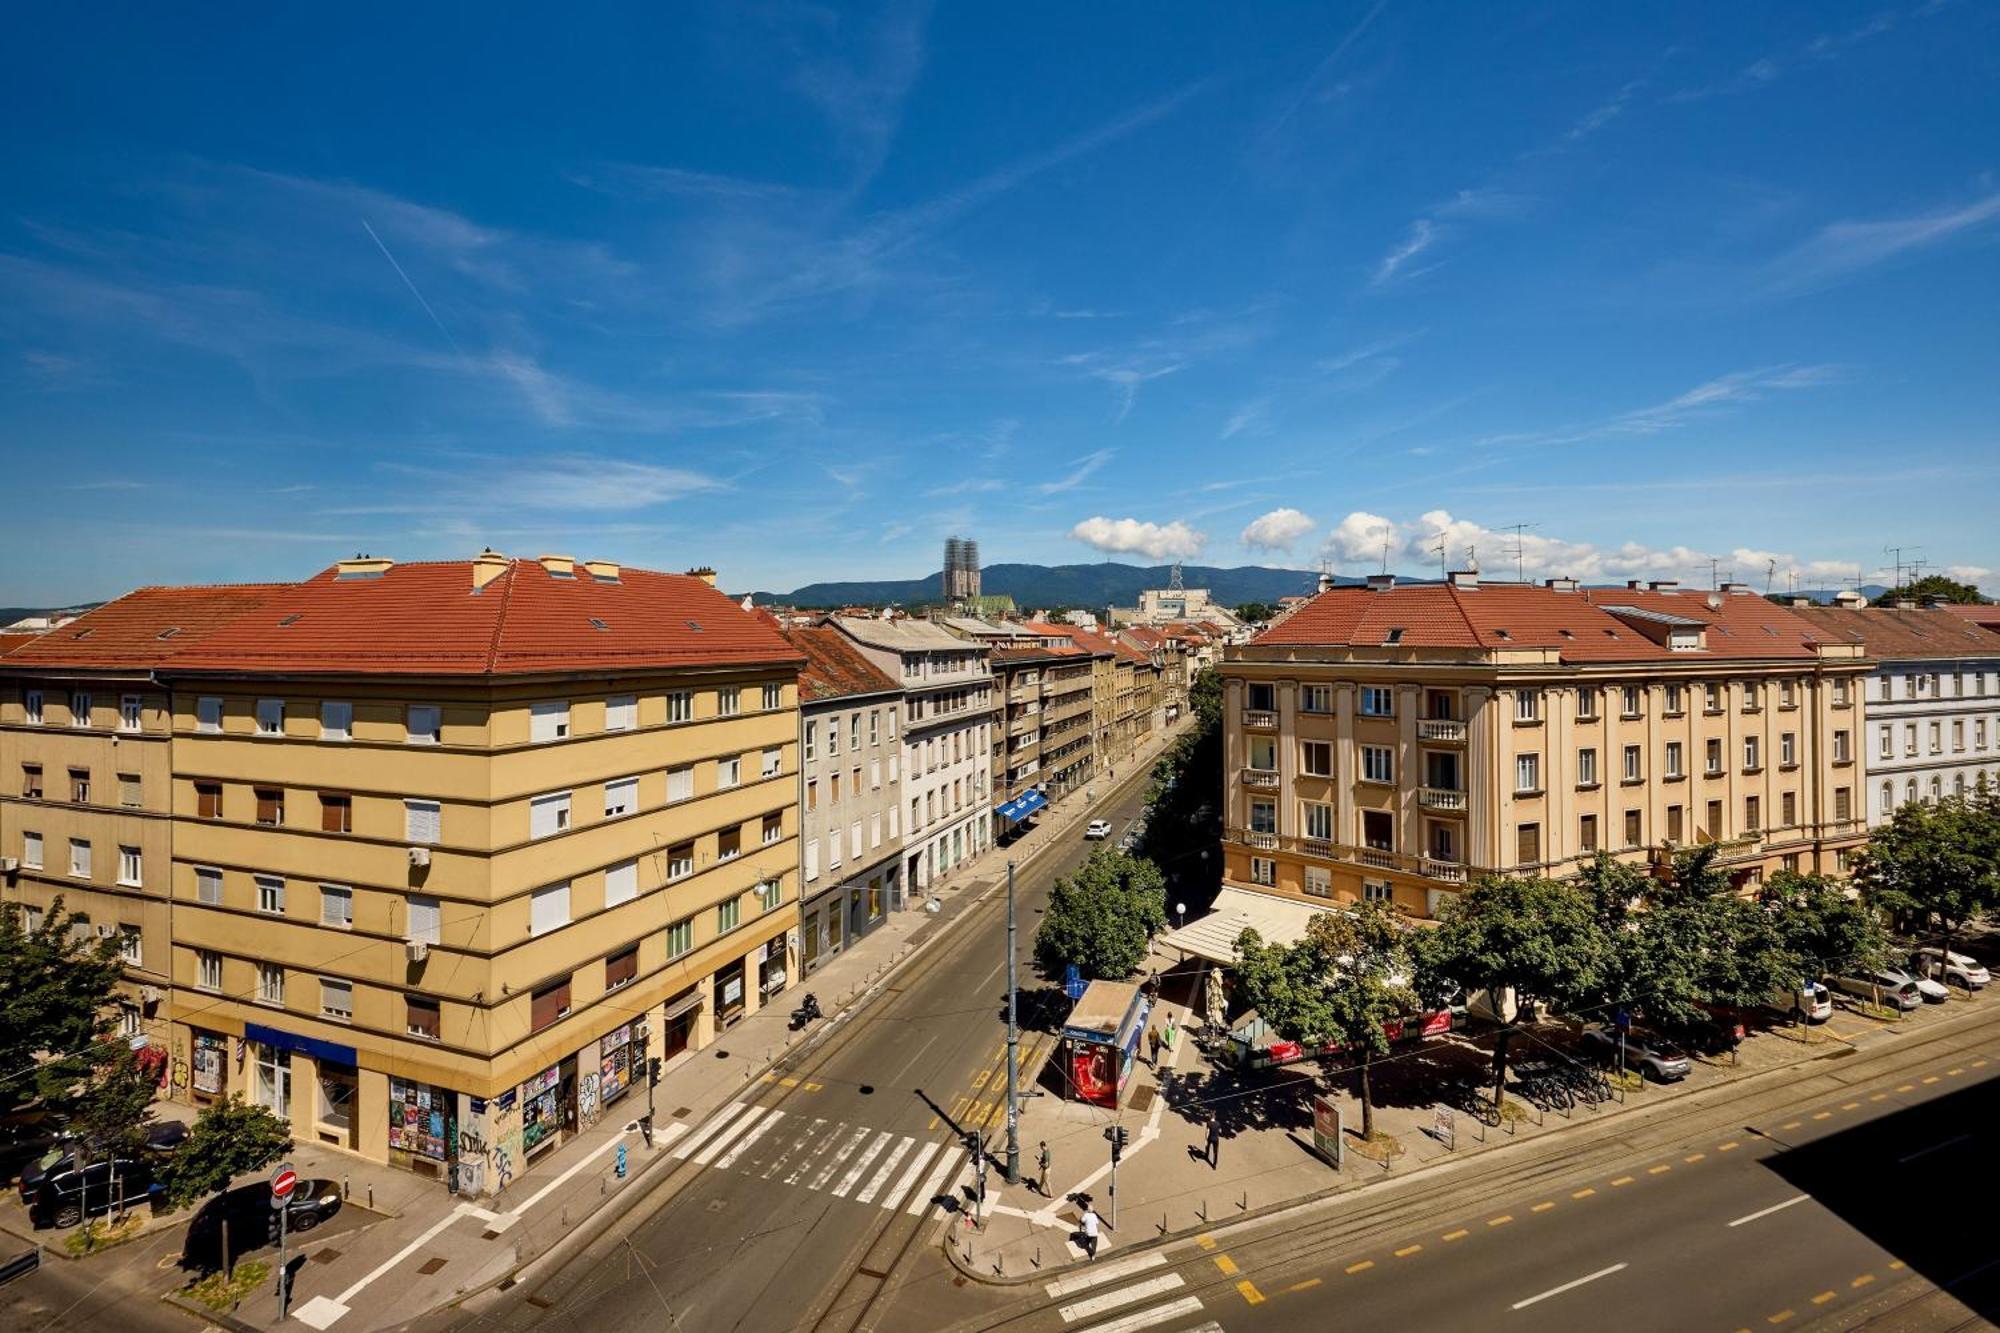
(1664, 585)
(1325, 580)
(559, 566)
(706, 573)
(1802, 601)
(604, 571)
(1905, 604)
(487, 566)
(1635, 585)
(364, 567)
(1560, 585)
(1381, 582)
(1735, 589)
(1464, 578)
(1849, 599)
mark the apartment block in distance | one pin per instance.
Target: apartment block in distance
(459, 845)
(1391, 741)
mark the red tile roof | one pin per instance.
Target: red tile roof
(1986, 614)
(144, 629)
(1098, 644)
(1887, 632)
(426, 618)
(1577, 625)
(834, 667)
(9, 642)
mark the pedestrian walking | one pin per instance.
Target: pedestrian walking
(1090, 1226)
(1214, 1141)
(1042, 1169)
(1153, 1044)
(1170, 1032)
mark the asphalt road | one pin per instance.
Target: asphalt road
(1866, 1200)
(775, 1218)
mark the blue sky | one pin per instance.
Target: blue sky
(799, 290)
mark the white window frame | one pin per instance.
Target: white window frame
(208, 886)
(728, 773)
(1264, 871)
(208, 714)
(1586, 766)
(131, 712)
(680, 783)
(79, 858)
(621, 883)
(132, 945)
(32, 850)
(270, 717)
(1527, 772)
(32, 706)
(423, 918)
(680, 705)
(1378, 764)
(271, 984)
(336, 999)
(1378, 701)
(621, 797)
(131, 867)
(549, 815)
(621, 712)
(81, 705)
(208, 970)
(774, 762)
(548, 909)
(774, 697)
(270, 894)
(728, 701)
(548, 721)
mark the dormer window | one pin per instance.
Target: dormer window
(1395, 636)
(597, 624)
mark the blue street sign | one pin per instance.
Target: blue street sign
(1624, 1020)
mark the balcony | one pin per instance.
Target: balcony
(1451, 872)
(1260, 719)
(1441, 729)
(1262, 841)
(1260, 777)
(1440, 798)
(1376, 857)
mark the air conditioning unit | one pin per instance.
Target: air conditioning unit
(420, 856)
(105, 932)
(9, 864)
(416, 950)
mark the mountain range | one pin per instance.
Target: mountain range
(1039, 586)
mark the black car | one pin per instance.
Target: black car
(241, 1220)
(64, 1151)
(66, 1194)
(312, 1202)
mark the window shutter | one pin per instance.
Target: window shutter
(549, 910)
(422, 1017)
(621, 967)
(550, 1004)
(424, 920)
(621, 883)
(424, 820)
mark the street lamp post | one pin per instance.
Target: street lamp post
(1180, 911)
(1013, 1045)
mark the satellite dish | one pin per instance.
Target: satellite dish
(1715, 601)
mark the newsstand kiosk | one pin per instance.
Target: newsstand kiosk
(1101, 1040)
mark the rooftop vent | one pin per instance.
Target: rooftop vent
(170, 631)
(1395, 637)
(595, 623)
(291, 619)
(1635, 585)
(1464, 578)
(694, 625)
(364, 567)
(604, 571)
(1325, 580)
(1664, 585)
(1736, 589)
(1849, 599)
(706, 573)
(85, 633)
(1502, 634)
(559, 566)
(1381, 582)
(1802, 601)
(1560, 585)
(487, 566)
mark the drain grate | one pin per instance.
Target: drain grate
(683, 1112)
(1142, 1100)
(326, 1256)
(429, 1266)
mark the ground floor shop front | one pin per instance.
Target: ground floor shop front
(838, 916)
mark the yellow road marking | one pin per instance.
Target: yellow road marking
(1952, 1073)
(1407, 1251)
(1249, 1292)
(1822, 1115)
(1361, 1267)
(1863, 1280)
(1623, 1180)
(1906, 1087)
(1791, 1124)
(1306, 1285)
(1730, 1146)
(980, 1081)
(1459, 1234)
(1657, 1170)
(1694, 1157)
(1500, 1221)
(1206, 1242)
(1979, 1064)
(1779, 1317)
(1226, 1264)
(1541, 1207)
(1823, 1297)
(1583, 1194)
(1850, 1106)
(1878, 1097)
(1896, 1265)
(813, 1087)
(1930, 1078)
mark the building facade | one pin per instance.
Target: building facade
(1933, 700)
(851, 784)
(1391, 742)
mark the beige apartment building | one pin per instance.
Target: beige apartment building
(1391, 742)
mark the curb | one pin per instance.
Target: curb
(1702, 1097)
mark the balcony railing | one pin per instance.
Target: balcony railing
(1440, 729)
(1451, 872)
(1375, 856)
(1263, 719)
(1259, 777)
(1430, 867)
(1440, 798)
(1262, 841)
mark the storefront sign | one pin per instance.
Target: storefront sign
(615, 1069)
(1326, 1130)
(732, 991)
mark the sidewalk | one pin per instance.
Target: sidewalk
(431, 1248)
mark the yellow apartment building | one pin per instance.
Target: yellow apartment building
(1391, 741)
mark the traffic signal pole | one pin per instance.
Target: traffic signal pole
(1013, 1045)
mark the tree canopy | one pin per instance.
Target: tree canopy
(1936, 863)
(1823, 928)
(1102, 917)
(1934, 586)
(54, 1009)
(229, 1138)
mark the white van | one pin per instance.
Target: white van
(1811, 1002)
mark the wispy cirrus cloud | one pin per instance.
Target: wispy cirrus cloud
(1076, 476)
(1724, 392)
(1767, 70)
(1131, 536)
(1422, 234)
(1842, 249)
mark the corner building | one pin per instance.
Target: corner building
(1392, 742)
(458, 846)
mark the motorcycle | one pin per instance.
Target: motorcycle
(807, 1011)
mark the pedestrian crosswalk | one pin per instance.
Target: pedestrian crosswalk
(874, 1167)
(1148, 1286)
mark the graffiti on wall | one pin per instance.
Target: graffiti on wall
(586, 1100)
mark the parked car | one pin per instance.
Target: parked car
(1652, 1055)
(1097, 830)
(312, 1202)
(62, 1153)
(1810, 1002)
(1898, 989)
(64, 1196)
(1959, 969)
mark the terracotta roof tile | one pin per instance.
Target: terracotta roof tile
(144, 629)
(1887, 632)
(834, 667)
(9, 642)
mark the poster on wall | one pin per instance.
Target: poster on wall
(207, 1064)
(615, 1071)
(417, 1118)
(541, 1116)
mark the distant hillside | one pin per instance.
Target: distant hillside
(1095, 586)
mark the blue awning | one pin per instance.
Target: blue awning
(291, 1041)
(1022, 806)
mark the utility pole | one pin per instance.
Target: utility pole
(1014, 1041)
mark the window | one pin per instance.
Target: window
(549, 721)
(773, 761)
(1888, 797)
(207, 715)
(129, 868)
(1711, 697)
(1586, 833)
(1753, 814)
(1753, 696)
(1377, 891)
(1632, 770)
(548, 815)
(423, 821)
(128, 790)
(1527, 705)
(548, 909)
(727, 915)
(32, 701)
(31, 850)
(208, 886)
(1753, 754)
(770, 895)
(270, 984)
(425, 918)
(621, 883)
(336, 721)
(833, 850)
(812, 794)
(1527, 772)
(270, 805)
(31, 782)
(680, 705)
(270, 717)
(1937, 739)
(621, 797)
(79, 858)
(1957, 735)
(1788, 749)
(680, 938)
(1263, 871)
(621, 968)
(1788, 808)
(728, 702)
(130, 1023)
(854, 731)
(680, 861)
(1676, 701)
(774, 828)
(208, 969)
(1377, 701)
(1888, 688)
(1629, 701)
(1840, 691)
(1675, 824)
(1319, 821)
(424, 724)
(1378, 763)
(336, 999)
(833, 736)
(79, 786)
(336, 812)
(874, 775)
(680, 783)
(1887, 749)
(1316, 699)
(729, 773)
(79, 708)
(549, 1005)
(1787, 693)
(270, 894)
(812, 740)
(336, 906)
(132, 945)
(729, 844)
(774, 697)
(1633, 836)
(1586, 703)
(1714, 819)
(421, 1018)
(1840, 748)
(1676, 764)
(1714, 757)
(621, 712)
(1317, 759)
(1909, 738)
(1527, 844)
(130, 712)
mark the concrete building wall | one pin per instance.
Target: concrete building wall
(853, 817)
(1933, 730)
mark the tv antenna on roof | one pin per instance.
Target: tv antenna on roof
(1520, 531)
(1770, 572)
(1443, 559)
(1895, 553)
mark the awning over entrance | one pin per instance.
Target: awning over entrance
(1021, 806)
(1236, 910)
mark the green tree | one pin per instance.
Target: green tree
(116, 1105)
(1937, 863)
(229, 1138)
(1821, 926)
(1344, 982)
(56, 984)
(1183, 834)
(1935, 586)
(1256, 613)
(1538, 938)
(1102, 917)
(1205, 699)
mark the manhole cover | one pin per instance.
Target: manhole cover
(1142, 1100)
(326, 1256)
(683, 1112)
(722, 1055)
(867, 1089)
(429, 1266)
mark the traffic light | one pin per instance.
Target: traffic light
(1117, 1136)
(653, 1070)
(975, 1146)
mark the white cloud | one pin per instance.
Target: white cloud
(1967, 573)
(1843, 248)
(1130, 536)
(1422, 233)
(1703, 400)
(1086, 465)
(1250, 415)
(1278, 530)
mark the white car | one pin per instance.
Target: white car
(1959, 970)
(1098, 829)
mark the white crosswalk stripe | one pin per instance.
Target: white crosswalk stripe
(811, 1159)
(694, 1141)
(783, 1159)
(743, 1144)
(935, 1182)
(888, 1168)
(728, 1136)
(853, 1177)
(838, 1160)
(1159, 1314)
(922, 1159)
(1093, 1306)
